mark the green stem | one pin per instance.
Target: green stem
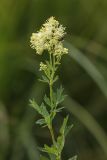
(52, 134)
(51, 99)
(58, 157)
(51, 94)
(51, 82)
(52, 63)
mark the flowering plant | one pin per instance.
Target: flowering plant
(50, 38)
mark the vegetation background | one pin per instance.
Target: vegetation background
(83, 74)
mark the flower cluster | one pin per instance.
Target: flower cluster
(50, 38)
(43, 66)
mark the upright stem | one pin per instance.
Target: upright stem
(51, 99)
(52, 134)
(52, 63)
(51, 94)
(51, 81)
(58, 158)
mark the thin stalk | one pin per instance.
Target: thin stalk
(52, 134)
(58, 158)
(51, 99)
(51, 94)
(52, 62)
(51, 82)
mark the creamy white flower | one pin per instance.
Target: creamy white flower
(43, 66)
(37, 42)
(59, 32)
(49, 38)
(60, 50)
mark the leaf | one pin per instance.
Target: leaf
(55, 79)
(60, 143)
(64, 125)
(47, 100)
(51, 150)
(61, 138)
(35, 106)
(59, 109)
(58, 96)
(44, 110)
(44, 79)
(73, 158)
(65, 129)
(68, 128)
(40, 121)
(45, 113)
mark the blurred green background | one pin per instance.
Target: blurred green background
(83, 74)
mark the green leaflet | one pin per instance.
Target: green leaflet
(51, 150)
(58, 97)
(64, 130)
(61, 138)
(55, 79)
(68, 128)
(41, 122)
(59, 109)
(60, 143)
(42, 111)
(47, 100)
(35, 106)
(45, 114)
(44, 79)
(63, 127)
